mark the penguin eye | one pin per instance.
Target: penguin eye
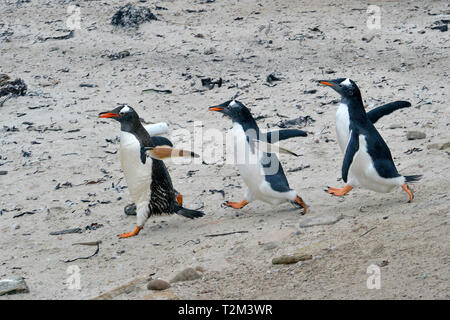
(121, 113)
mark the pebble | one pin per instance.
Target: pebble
(415, 135)
(187, 274)
(290, 259)
(158, 284)
(210, 51)
(13, 286)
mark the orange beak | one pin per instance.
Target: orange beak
(326, 83)
(107, 115)
(216, 109)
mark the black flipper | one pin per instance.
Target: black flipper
(275, 136)
(413, 178)
(375, 114)
(352, 148)
(188, 213)
(143, 155)
(157, 141)
(161, 141)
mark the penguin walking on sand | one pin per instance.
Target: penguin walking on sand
(261, 171)
(368, 161)
(148, 180)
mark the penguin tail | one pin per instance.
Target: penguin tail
(188, 213)
(413, 178)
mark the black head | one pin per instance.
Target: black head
(346, 87)
(233, 109)
(123, 113)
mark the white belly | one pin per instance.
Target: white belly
(247, 162)
(342, 126)
(251, 169)
(137, 174)
(363, 172)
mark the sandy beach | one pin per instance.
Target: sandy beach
(61, 170)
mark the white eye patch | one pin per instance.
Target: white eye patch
(346, 82)
(125, 109)
(232, 103)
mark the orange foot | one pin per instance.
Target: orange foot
(180, 199)
(339, 192)
(409, 192)
(236, 205)
(300, 202)
(133, 233)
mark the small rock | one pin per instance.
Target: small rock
(290, 259)
(119, 55)
(320, 220)
(130, 16)
(415, 135)
(210, 51)
(158, 284)
(187, 274)
(13, 286)
(2, 173)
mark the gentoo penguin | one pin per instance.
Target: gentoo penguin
(367, 161)
(148, 180)
(262, 172)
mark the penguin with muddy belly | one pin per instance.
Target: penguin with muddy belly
(368, 161)
(148, 180)
(261, 171)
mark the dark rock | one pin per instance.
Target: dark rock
(16, 87)
(130, 16)
(119, 55)
(441, 25)
(210, 83)
(130, 210)
(271, 78)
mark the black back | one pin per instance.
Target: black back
(376, 146)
